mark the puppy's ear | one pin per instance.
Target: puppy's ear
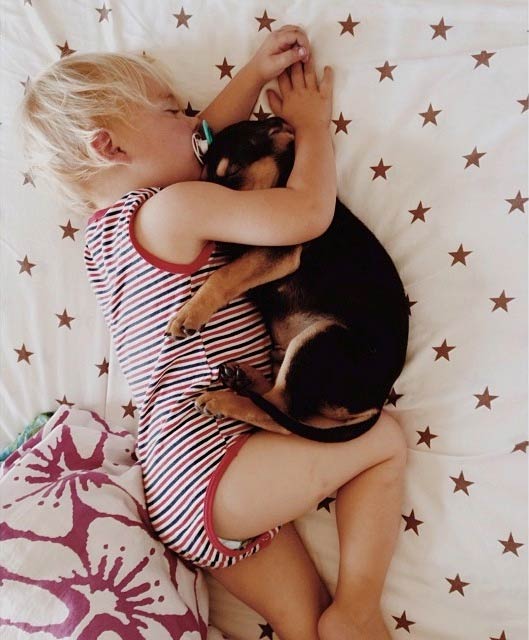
(225, 169)
(222, 167)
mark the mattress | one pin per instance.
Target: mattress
(430, 130)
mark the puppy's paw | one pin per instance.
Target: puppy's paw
(216, 403)
(190, 318)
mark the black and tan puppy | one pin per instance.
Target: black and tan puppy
(335, 307)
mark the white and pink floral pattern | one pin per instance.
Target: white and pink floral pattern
(78, 558)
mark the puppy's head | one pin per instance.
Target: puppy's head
(251, 155)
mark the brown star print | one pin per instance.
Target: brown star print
(65, 49)
(326, 504)
(410, 303)
(182, 18)
(521, 446)
(524, 102)
(103, 367)
(501, 302)
(418, 214)
(430, 115)
(393, 397)
(25, 265)
(28, 178)
(341, 124)
(426, 437)
(412, 522)
(26, 84)
(64, 401)
(348, 25)
(440, 29)
(23, 354)
(265, 22)
(484, 399)
(386, 71)
(266, 631)
(483, 58)
(443, 351)
(461, 484)
(189, 111)
(459, 256)
(457, 584)
(225, 69)
(473, 158)
(64, 319)
(502, 637)
(517, 202)
(128, 409)
(262, 114)
(510, 545)
(68, 231)
(103, 13)
(380, 170)
(403, 622)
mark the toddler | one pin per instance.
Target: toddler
(109, 132)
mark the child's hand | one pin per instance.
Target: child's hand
(281, 49)
(303, 103)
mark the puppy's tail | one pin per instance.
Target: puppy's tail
(321, 434)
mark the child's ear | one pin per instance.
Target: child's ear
(105, 147)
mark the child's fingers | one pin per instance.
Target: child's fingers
(310, 75)
(275, 102)
(297, 76)
(326, 84)
(283, 80)
(291, 35)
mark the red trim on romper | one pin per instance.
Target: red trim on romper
(172, 267)
(264, 539)
(97, 215)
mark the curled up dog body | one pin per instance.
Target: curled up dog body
(109, 131)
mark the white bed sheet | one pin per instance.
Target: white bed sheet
(465, 378)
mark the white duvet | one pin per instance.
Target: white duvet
(430, 130)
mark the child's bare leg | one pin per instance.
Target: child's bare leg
(280, 583)
(368, 512)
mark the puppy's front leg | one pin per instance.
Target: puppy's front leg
(255, 267)
(227, 404)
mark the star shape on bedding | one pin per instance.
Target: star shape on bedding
(403, 622)
(225, 69)
(386, 71)
(418, 213)
(426, 437)
(461, 484)
(518, 202)
(103, 13)
(265, 22)
(348, 25)
(412, 523)
(430, 115)
(443, 351)
(26, 265)
(510, 545)
(456, 584)
(182, 18)
(483, 58)
(501, 301)
(440, 29)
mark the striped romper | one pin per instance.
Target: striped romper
(183, 453)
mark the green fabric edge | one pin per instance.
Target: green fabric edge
(30, 430)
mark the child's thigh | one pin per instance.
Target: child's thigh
(276, 478)
(281, 583)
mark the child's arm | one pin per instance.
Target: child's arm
(235, 102)
(187, 214)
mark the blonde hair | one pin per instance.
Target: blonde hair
(66, 105)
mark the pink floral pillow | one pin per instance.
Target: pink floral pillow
(78, 558)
